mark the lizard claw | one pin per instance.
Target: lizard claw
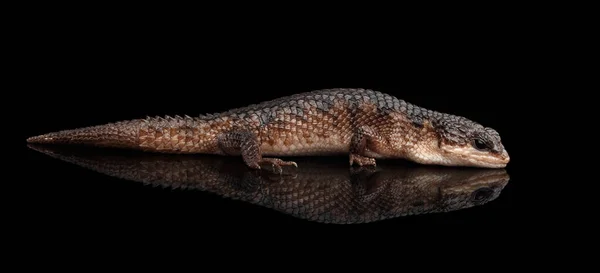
(362, 160)
(276, 164)
(277, 168)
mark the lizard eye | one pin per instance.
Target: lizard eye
(481, 194)
(481, 145)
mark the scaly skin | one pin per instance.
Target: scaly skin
(322, 191)
(364, 124)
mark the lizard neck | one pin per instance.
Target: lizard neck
(412, 138)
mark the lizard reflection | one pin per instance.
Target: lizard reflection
(322, 190)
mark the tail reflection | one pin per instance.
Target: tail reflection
(318, 190)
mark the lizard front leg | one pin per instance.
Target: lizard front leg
(246, 144)
(364, 137)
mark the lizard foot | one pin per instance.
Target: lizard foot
(276, 163)
(362, 160)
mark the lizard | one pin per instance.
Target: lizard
(322, 191)
(364, 124)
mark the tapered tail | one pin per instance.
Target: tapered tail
(122, 134)
(166, 135)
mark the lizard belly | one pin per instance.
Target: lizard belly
(305, 146)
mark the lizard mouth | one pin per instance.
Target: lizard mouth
(489, 160)
(474, 158)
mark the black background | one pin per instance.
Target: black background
(87, 72)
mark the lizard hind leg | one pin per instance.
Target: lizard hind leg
(364, 136)
(246, 144)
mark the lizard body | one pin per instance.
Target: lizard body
(364, 124)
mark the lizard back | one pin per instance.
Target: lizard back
(312, 123)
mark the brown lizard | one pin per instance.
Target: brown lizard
(364, 124)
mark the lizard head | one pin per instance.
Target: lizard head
(458, 141)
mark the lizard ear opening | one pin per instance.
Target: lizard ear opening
(438, 131)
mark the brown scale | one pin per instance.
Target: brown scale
(364, 124)
(314, 123)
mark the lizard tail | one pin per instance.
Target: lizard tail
(122, 134)
(166, 135)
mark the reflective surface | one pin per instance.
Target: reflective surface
(318, 190)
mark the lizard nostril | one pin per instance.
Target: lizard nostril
(505, 156)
